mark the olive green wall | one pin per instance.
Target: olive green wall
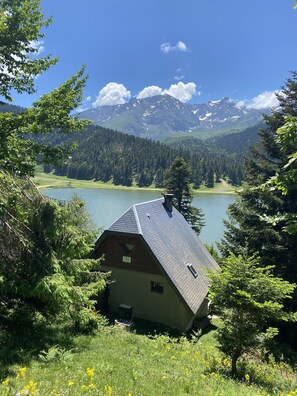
(134, 288)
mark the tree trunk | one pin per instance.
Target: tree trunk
(234, 359)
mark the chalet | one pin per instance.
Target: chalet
(157, 265)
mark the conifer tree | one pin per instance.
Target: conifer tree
(177, 182)
(45, 269)
(247, 297)
(249, 224)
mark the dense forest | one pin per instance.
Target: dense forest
(120, 157)
(240, 142)
(103, 154)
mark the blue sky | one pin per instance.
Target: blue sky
(196, 50)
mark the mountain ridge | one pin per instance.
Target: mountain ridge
(163, 115)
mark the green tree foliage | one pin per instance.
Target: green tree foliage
(18, 153)
(250, 224)
(44, 250)
(21, 22)
(177, 182)
(286, 178)
(247, 297)
(45, 271)
(20, 29)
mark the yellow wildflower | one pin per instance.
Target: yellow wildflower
(5, 382)
(108, 390)
(90, 373)
(30, 388)
(21, 373)
(71, 383)
(247, 377)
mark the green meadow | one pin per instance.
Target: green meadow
(49, 180)
(113, 362)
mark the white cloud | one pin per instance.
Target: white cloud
(88, 99)
(38, 46)
(178, 78)
(165, 47)
(80, 109)
(112, 94)
(266, 99)
(150, 91)
(181, 91)
(179, 46)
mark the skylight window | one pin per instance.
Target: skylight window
(192, 270)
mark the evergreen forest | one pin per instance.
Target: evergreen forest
(103, 154)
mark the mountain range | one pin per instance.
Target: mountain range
(160, 116)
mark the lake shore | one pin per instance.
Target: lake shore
(46, 181)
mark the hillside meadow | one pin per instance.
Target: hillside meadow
(50, 180)
(114, 362)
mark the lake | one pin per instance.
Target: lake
(106, 205)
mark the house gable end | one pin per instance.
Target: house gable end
(128, 252)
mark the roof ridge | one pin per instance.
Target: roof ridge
(137, 219)
(146, 202)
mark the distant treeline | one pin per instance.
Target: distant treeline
(238, 142)
(104, 154)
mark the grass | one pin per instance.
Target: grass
(115, 363)
(49, 180)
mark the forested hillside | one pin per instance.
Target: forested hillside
(103, 154)
(9, 108)
(125, 159)
(238, 142)
(226, 165)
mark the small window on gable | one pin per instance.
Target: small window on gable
(192, 270)
(127, 247)
(157, 287)
(126, 259)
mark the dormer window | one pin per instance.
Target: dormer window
(192, 270)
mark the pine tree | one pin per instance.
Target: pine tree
(247, 297)
(45, 270)
(177, 182)
(249, 224)
(45, 267)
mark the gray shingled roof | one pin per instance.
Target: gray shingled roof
(174, 244)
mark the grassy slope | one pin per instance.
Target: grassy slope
(115, 362)
(49, 180)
